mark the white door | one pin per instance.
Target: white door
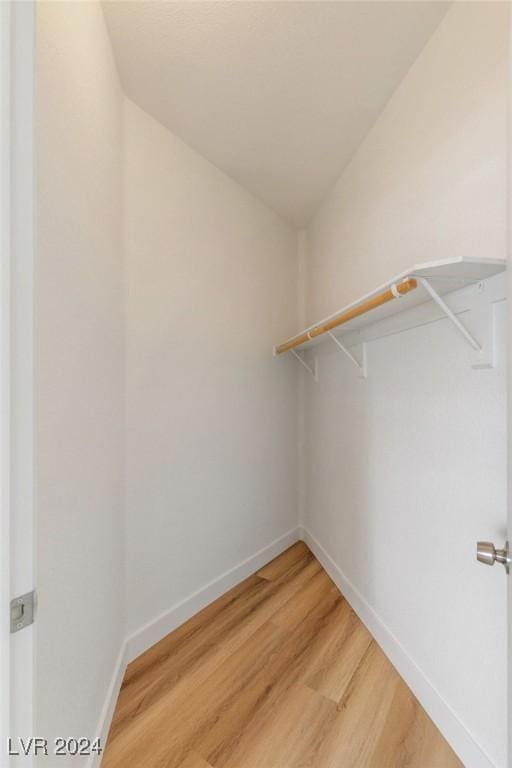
(16, 379)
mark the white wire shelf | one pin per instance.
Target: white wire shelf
(432, 281)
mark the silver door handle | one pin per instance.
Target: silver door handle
(487, 553)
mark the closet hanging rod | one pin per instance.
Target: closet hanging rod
(394, 292)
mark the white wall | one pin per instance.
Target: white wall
(404, 472)
(79, 370)
(200, 280)
(429, 180)
(211, 416)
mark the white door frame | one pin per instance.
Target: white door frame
(4, 369)
(509, 381)
(17, 237)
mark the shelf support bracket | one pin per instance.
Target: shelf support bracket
(360, 366)
(312, 371)
(449, 314)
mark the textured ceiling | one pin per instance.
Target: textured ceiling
(276, 94)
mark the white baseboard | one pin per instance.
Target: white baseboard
(454, 731)
(109, 706)
(166, 622)
(159, 627)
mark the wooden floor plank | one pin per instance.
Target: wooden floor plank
(361, 714)
(294, 611)
(193, 706)
(193, 760)
(410, 739)
(273, 681)
(343, 649)
(278, 567)
(277, 673)
(188, 655)
(289, 735)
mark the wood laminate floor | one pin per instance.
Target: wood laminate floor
(277, 673)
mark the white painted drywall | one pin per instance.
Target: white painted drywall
(78, 370)
(429, 180)
(211, 416)
(404, 472)
(211, 282)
